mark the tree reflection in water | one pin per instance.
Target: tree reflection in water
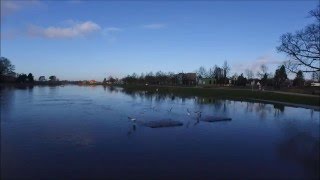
(278, 109)
(263, 109)
(300, 144)
(220, 105)
(7, 96)
(111, 89)
(282, 146)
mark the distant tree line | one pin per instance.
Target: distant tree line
(221, 75)
(158, 78)
(7, 73)
(23, 78)
(110, 80)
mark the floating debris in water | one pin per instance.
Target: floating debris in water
(188, 112)
(161, 123)
(215, 119)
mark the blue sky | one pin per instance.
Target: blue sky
(79, 40)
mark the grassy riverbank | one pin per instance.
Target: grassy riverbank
(231, 93)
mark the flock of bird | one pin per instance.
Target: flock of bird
(134, 120)
(198, 113)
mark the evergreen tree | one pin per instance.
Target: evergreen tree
(264, 79)
(280, 77)
(299, 80)
(30, 78)
(22, 78)
(241, 81)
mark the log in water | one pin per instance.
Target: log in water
(215, 119)
(161, 123)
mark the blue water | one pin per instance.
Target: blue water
(74, 132)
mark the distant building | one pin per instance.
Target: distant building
(207, 81)
(315, 84)
(92, 82)
(188, 79)
(42, 78)
(252, 82)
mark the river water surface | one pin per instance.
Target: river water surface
(84, 132)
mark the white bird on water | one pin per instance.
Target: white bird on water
(131, 118)
(188, 112)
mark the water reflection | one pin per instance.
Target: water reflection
(49, 131)
(300, 144)
(222, 105)
(7, 96)
(132, 129)
(299, 147)
(111, 89)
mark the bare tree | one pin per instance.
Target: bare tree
(263, 70)
(234, 76)
(217, 72)
(316, 76)
(211, 71)
(303, 47)
(226, 68)
(249, 73)
(6, 68)
(202, 72)
(315, 13)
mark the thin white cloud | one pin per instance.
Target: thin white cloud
(11, 6)
(154, 26)
(76, 30)
(254, 65)
(8, 7)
